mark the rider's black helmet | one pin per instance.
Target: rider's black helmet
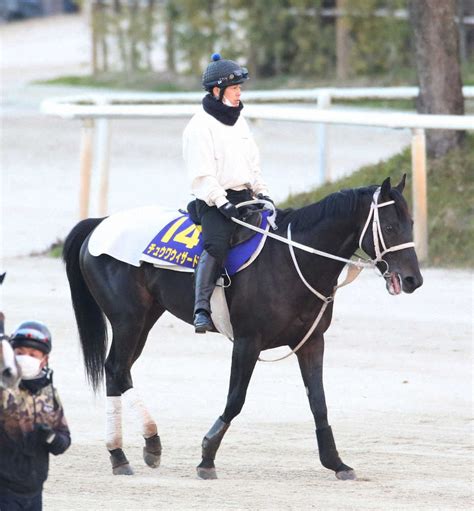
(32, 334)
(222, 73)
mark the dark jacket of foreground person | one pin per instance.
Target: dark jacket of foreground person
(32, 425)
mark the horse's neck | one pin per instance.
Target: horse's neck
(338, 238)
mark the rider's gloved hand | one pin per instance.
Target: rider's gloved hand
(44, 433)
(229, 210)
(264, 197)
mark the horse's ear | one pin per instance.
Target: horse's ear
(385, 188)
(401, 185)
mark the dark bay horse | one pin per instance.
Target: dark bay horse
(270, 305)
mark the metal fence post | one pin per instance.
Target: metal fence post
(87, 133)
(324, 101)
(420, 209)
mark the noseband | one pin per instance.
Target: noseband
(379, 242)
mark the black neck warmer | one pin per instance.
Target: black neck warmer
(33, 386)
(228, 115)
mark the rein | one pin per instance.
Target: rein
(360, 263)
(352, 272)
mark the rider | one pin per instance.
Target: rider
(32, 422)
(223, 164)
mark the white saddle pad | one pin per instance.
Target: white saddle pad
(125, 235)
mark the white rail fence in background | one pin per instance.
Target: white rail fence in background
(96, 110)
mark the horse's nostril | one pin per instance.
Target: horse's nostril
(411, 283)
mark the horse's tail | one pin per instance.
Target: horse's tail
(89, 317)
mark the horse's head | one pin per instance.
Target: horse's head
(388, 239)
(9, 371)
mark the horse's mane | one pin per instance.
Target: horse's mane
(335, 206)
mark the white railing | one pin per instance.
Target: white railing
(97, 110)
(280, 95)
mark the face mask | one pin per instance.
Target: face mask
(29, 366)
(226, 101)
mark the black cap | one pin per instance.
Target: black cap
(222, 73)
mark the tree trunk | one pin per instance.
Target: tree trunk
(92, 7)
(120, 36)
(171, 19)
(342, 41)
(462, 31)
(102, 14)
(149, 32)
(133, 35)
(437, 62)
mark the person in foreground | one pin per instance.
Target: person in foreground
(223, 164)
(32, 422)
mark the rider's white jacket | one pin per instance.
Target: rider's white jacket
(220, 157)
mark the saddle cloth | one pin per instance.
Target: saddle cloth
(131, 237)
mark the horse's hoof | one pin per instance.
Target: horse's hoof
(123, 470)
(152, 460)
(346, 475)
(206, 473)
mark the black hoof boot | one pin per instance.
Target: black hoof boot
(203, 322)
(120, 464)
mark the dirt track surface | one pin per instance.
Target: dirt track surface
(398, 384)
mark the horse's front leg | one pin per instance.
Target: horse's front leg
(310, 358)
(244, 358)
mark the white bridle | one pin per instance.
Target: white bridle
(379, 241)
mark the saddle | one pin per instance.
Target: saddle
(251, 215)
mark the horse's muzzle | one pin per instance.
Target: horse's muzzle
(8, 377)
(396, 283)
(412, 282)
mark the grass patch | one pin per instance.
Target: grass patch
(173, 82)
(450, 200)
(54, 250)
(146, 82)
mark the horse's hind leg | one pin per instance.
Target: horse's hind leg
(310, 358)
(152, 448)
(113, 407)
(129, 337)
(244, 358)
(133, 401)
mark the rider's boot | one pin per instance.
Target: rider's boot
(205, 277)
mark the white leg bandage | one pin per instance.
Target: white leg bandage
(133, 401)
(113, 426)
